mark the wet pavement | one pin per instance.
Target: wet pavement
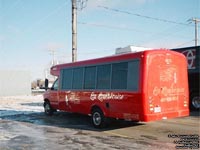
(67, 131)
(30, 129)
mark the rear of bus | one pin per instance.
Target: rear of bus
(166, 86)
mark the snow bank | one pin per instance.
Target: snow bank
(13, 105)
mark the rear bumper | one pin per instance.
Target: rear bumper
(168, 115)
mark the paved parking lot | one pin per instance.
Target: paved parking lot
(23, 125)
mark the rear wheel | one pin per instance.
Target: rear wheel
(98, 119)
(195, 101)
(48, 109)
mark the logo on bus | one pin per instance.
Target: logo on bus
(165, 91)
(191, 56)
(168, 94)
(105, 96)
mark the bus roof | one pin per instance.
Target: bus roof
(55, 70)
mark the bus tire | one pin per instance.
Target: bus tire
(48, 109)
(195, 101)
(97, 118)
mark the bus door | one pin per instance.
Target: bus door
(54, 95)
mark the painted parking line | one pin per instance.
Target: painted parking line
(117, 134)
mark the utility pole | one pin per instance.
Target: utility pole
(74, 31)
(76, 5)
(196, 21)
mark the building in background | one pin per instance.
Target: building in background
(193, 58)
(15, 82)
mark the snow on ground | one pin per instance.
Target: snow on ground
(13, 105)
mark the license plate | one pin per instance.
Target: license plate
(157, 109)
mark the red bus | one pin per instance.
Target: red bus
(143, 86)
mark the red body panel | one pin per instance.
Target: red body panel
(162, 91)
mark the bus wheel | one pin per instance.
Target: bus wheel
(98, 119)
(195, 102)
(47, 108)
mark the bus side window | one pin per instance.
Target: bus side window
(133, 75)
(119, 75)
(90, 77)
(66, 79)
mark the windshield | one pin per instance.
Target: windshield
(55, 85)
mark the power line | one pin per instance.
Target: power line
(42, 19)
(184, 43)
(11, 6)
(113, 27)
(129, 29)
(165, 36)
(143, 16)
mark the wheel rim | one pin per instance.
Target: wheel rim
(196, 102)
(97, 118)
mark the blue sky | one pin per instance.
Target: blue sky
(30, 28)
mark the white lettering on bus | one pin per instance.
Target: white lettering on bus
(167, 91)
(67, 100)
(169, 99)
(93, 96)
(167, 75)
(106, 96)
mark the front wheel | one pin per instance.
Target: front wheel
(97, 118)
(48, 109)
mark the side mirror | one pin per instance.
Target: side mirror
(46, 84)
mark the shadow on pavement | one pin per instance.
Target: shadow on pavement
(64, 120)
(68, 120)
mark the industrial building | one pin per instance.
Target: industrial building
(15, 82)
